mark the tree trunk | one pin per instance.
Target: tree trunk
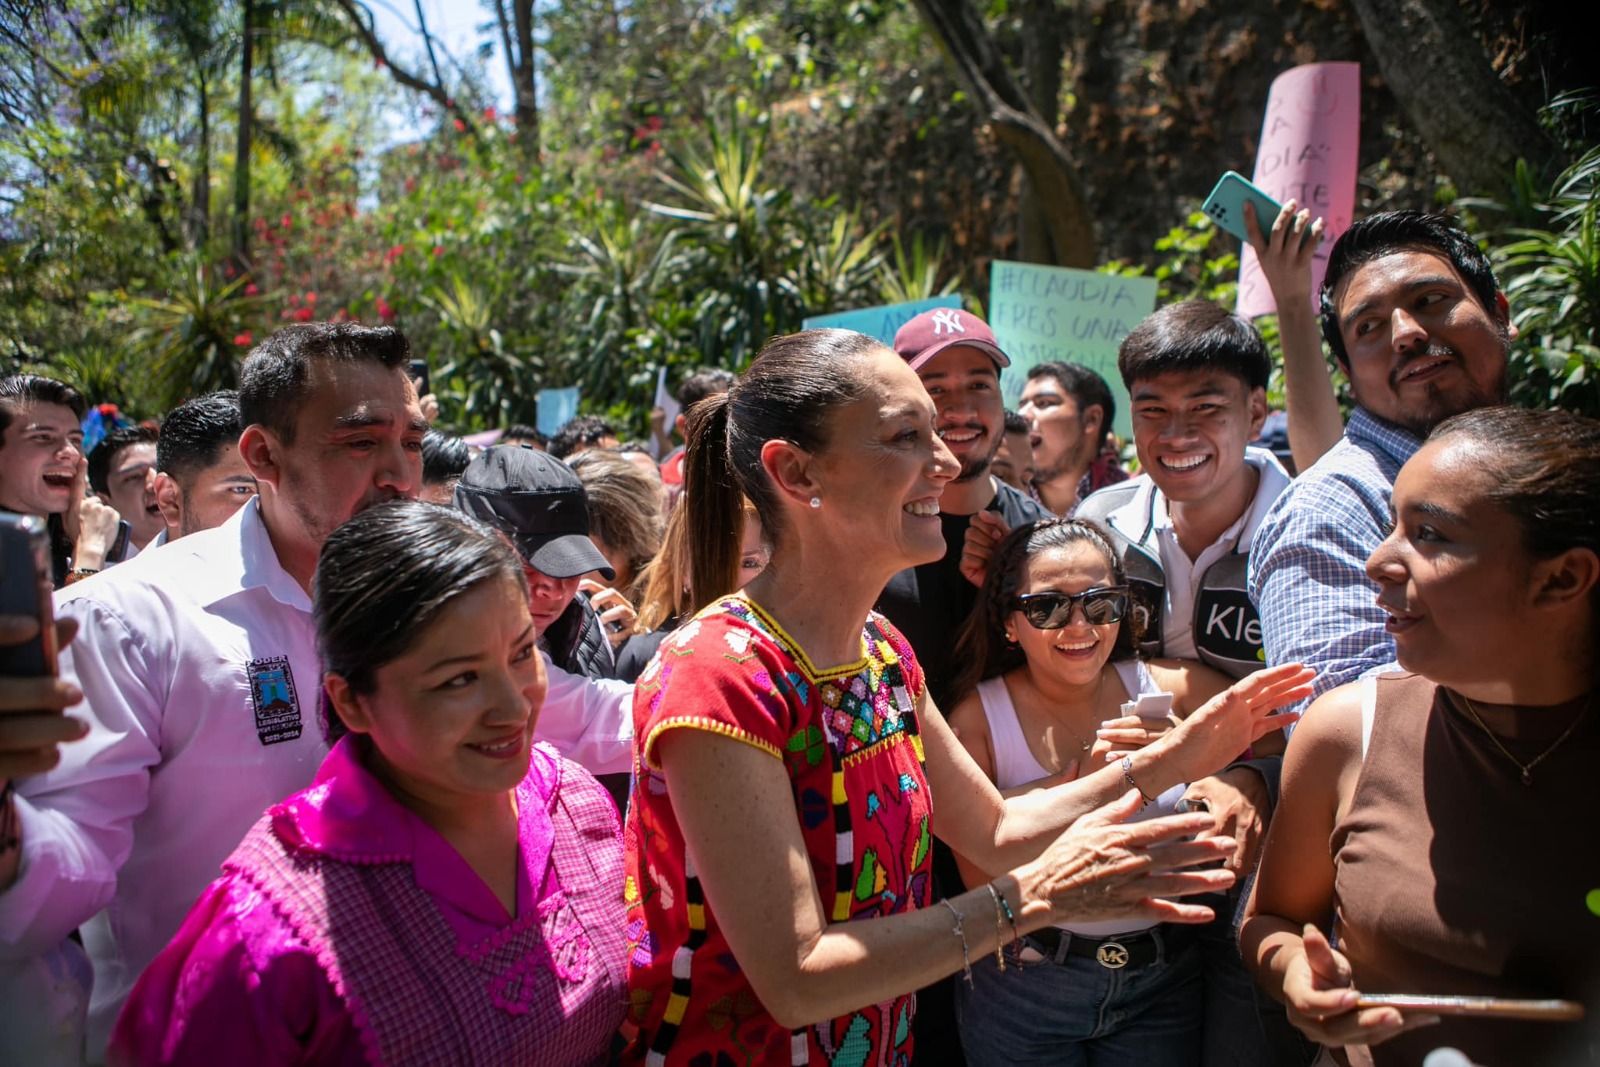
(200, 194)
(1017, 124)
(1043, 49)
(524, 79)
(1437, 70)
(241, 163)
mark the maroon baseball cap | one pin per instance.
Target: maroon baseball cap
(934, 331)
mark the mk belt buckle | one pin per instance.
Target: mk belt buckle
(1111, 956)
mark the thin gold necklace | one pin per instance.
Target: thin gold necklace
(1525, 768)
(1084, 746)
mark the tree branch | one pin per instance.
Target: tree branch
(361, 20)
(1044, 159)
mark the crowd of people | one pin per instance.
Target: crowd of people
(851, 719)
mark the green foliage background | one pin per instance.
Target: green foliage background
(700, 185)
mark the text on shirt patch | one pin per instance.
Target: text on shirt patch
(272, 693)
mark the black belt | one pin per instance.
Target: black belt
(1139, 949)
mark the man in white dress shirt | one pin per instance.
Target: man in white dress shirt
(200, 672)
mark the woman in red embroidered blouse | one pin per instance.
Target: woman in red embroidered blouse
(788, 757)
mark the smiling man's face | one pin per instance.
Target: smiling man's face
(965, 386)
(1421, 347)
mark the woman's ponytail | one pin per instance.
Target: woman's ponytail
(715, 501)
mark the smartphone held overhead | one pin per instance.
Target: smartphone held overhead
(1225, 205)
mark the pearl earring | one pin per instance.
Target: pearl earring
(816, 501)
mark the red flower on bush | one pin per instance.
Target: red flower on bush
(286, 221)
(489, 114)
(303, 315)
(311, 298)
(461, 127)
(243, 339)
(394, 253)
(438, 250)
(252, 289)
(385, 312)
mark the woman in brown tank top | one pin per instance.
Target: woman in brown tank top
(1442, 816)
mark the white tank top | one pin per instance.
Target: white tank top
(1015, 765)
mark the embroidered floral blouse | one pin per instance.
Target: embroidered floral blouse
(240, 984)
(848, 739)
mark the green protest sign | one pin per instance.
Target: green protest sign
(1040, 314)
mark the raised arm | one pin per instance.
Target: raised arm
(1286, 253)
(999, 834)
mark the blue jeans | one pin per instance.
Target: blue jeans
(1069, 1011)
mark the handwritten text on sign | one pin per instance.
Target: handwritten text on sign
(1040, 314)
(1310, 138)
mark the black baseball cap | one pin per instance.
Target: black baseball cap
(539, 503)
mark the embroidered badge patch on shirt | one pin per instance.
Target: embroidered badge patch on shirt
(272, 693)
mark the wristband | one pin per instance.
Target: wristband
(1127, 776)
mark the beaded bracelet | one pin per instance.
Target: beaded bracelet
(1005, 906)
(999, 929)
(966, 961)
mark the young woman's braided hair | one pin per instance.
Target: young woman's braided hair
(982, 648)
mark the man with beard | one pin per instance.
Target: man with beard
(1416, 320)
(959, 361)
(1069, 409)
(199, 669)
(201, 479)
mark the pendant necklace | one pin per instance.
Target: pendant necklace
(1525, 768)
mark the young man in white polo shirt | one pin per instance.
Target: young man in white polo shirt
(1196, 378)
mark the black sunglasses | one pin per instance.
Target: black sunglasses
(1052, 610)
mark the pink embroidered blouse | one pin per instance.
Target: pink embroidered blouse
(243, 982)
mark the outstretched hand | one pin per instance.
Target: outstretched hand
(1238, 717)
(1102, 867)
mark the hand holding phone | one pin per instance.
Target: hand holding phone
(31, 697)
(418, 370)
(1225, 205)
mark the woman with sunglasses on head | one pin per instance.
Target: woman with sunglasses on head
(788, 758)
(446, 891)
(1443, 814)
(1050, 674)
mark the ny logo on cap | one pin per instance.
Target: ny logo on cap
(945, 321)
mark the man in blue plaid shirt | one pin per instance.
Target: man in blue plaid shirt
(1416, 320)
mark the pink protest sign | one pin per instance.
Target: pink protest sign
(1309, 144)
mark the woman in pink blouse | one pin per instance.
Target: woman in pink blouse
(447, 890)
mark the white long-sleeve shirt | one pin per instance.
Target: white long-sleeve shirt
(202, 686)
(201, 680)
(590, 720)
